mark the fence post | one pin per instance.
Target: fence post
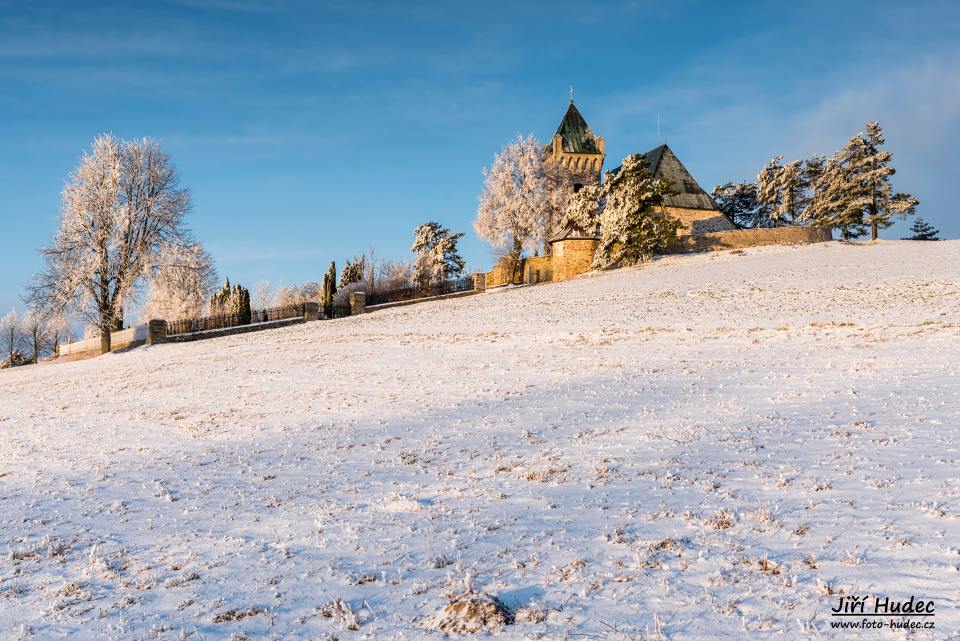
(480, 281)
(311, 311)
(157, 331)
(358, 303)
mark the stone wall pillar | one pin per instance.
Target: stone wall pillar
(358, 303)
(157, 331)
(311, 311)
(480, 281)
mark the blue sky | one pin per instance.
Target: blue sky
(310, 131)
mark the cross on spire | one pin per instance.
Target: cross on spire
(571, 94)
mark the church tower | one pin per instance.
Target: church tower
(575, 148)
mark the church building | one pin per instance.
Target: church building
(577, 156)
(575, 148)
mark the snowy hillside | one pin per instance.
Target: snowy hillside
(708, 446)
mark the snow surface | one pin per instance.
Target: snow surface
(707, 446)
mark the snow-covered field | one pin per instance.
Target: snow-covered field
(710, 446)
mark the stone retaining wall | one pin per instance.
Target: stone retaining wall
(414, 301)
(742, 238)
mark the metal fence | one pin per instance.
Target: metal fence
(464, 284)
(223, 321)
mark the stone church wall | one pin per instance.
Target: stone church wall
(700, 221)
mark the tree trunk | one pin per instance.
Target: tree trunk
(515, 258)
(873, 230)
(105, 327)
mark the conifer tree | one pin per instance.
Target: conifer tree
(232, 301)
(784, 192)
(437, 254)
(329, 289)
(853, 193)
(240, 302)
(353, 271)
(583, 210)
(922, 230)
(220, 300)
(740, 204)
(831, 205)
(876, 170)
(634, 223)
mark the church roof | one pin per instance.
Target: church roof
(576, 135)
(663, 163)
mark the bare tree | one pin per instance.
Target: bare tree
(35, 334)
(262, 294)
(11, 337)
(395, 275)
(58, 331)
(121, 207)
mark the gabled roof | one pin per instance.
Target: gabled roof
(663, 163)
(576, 135)
(572, 232)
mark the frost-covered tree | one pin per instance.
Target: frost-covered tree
(583, 209)
(634, 224)
(783, 190)
(310, 292)
(741, 205)
(11, 337)
(436, 252)
(121, 206)
(922, 230)
(872, 169)
(289, 295)
(262, 294)
(813, 168)
(299, 294)
(559, 182)
(831, 205)
(353, 271)
(853, 192)
(513, 205)
(395, 275)
(179, 283)
(58, 330)
(35, 332)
